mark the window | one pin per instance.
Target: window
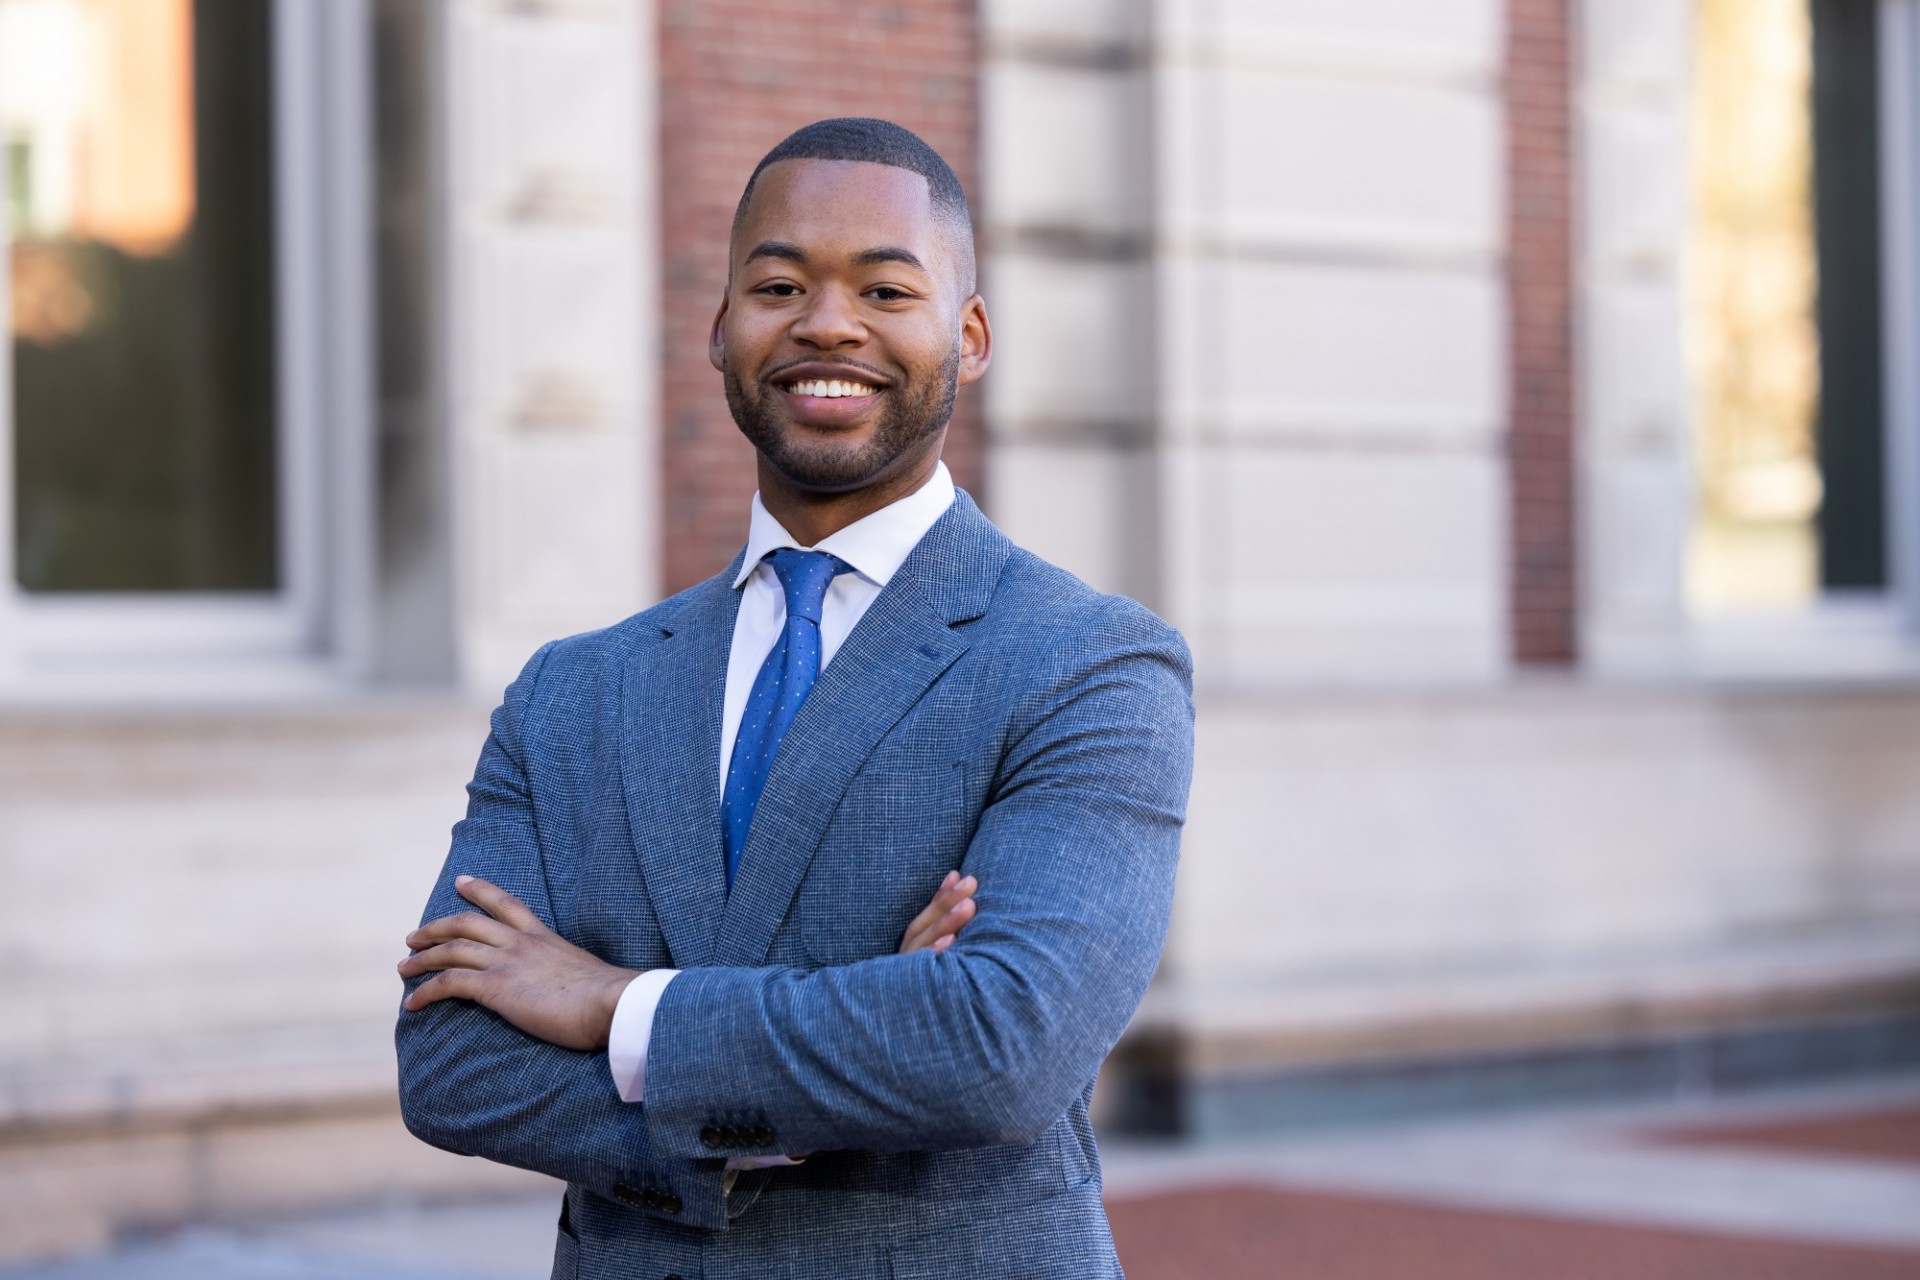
(142, 304)
(1786, 324)
(185, 269)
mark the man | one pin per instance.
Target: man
(695, 839)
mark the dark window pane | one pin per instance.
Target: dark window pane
(1846, 123)
(138, 136)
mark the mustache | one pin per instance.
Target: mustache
(841, 363)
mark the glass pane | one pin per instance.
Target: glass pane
(140, 220)
(1846, 217)
(1754, 279)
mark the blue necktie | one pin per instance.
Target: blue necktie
(785, 679)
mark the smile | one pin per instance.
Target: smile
(829, 388)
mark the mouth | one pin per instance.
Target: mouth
(820, 398)
(828, 388)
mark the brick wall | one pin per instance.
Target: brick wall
(1540, 300)
(736, 76)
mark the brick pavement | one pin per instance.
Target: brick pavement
(1258, 1233)
(1891, 1133)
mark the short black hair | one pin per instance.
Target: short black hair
(873, 141)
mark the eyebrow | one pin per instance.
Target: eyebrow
(777, 249)
(887, 253)
(790, 252)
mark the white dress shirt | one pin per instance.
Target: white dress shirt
(875, 546)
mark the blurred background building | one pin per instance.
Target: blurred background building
(1514, 402)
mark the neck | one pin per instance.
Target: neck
(811, 515)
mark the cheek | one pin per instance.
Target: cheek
(745, 337)
(922, 350)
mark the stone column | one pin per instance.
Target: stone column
(552, 333)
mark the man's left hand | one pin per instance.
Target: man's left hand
(508, 961)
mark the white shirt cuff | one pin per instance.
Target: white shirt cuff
(632, 1028)
(739, 1163)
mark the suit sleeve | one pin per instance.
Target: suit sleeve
(990, 1041)
(472, 1083)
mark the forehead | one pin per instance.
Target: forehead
(834, 205)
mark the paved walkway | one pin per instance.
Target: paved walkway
(1820, 1185)
(1810, 1185)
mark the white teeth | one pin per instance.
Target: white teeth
(830, 388)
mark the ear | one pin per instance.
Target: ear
(976, 340)
(716, 337)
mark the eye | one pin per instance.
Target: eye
(780, 289)
(887, 293)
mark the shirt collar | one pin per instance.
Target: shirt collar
(875, 545)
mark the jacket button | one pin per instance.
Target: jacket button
(669, 1203)
(671, 1277)
(627, 1194)
(735, 1135)
(710, 1136)
(762, 1136)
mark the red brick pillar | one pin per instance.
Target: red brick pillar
(736, 76)
(1540, 201)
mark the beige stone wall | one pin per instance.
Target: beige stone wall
(1244, 260)
(1477, 831)
(198, 996)
(550, 314)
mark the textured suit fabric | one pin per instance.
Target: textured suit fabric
(989, 712)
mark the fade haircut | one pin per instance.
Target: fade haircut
(872, 141)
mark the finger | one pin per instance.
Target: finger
(926, 931)
(955, 918)
(467, 924)
(453, 984)
(498, 903)
(951, 890)
(461, 953)
(919, 930)
(931, 912)
(941, 944)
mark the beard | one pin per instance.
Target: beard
(912, 415)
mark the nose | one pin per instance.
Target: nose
(830, 320)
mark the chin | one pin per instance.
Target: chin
(838, 459)
(829, 470)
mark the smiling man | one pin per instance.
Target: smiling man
(706, 944)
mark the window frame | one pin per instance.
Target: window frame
(315, 622)
(1861, 632)
(1899, 55)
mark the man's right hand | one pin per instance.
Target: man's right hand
(952, 906)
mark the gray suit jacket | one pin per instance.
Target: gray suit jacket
(989, 712)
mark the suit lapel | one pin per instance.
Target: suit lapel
(889, 661)
(670, 763)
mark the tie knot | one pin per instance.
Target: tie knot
(805, 576)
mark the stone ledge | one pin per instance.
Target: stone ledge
(1223, 1061)
(176, 1085)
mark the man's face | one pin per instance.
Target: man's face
(844, 333)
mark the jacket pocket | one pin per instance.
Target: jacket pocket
(1058, 1237)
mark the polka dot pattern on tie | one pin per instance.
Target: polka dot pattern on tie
(785, 679)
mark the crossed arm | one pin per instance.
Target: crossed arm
(503, 958)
